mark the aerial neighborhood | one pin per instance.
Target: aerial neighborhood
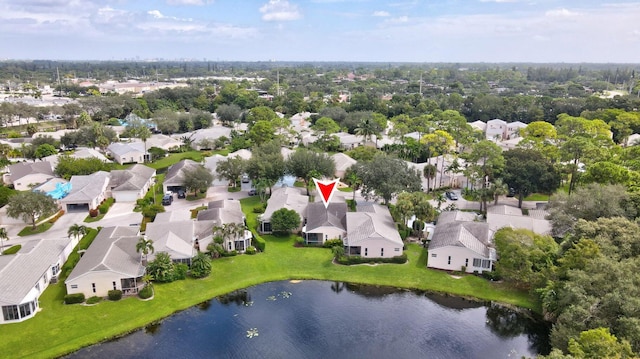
(113, 189)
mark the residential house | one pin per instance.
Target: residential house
(26, 175)
(56, 188)
(285, 197)
(325, 223)
(174, 179)
(178, 235)
(513, 129)
(242, 153)
(164, 142)
(479, 126)
(87, 192)
(372, 233)
(343, 162)
(110, 263)
(131, 184)
(26, 274)
(507, 216)
(460, 241)
(130, 152)
(223, 212)
(211, 133)
(633, 140)
(349, 141)
(211, 163)
(496, 130)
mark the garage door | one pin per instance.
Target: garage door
(77, 207)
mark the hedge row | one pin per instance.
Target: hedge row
(74, 298)
(350, 260)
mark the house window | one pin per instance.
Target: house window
(74, 286)
(93, 287)
(38, 286)
(25, 309)
(55, 269)
(449, 260)
(477, 262)
(114, 285)
(397, 249)
(381, 252)
(366, 250)
(486, 263)
(229, 245)
(10, 312)
(466, 262)
(434, 255)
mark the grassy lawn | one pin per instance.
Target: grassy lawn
(28, 230)
(345, 189)
(537, 197)
(175, 158)
(63, 328)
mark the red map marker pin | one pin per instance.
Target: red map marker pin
(326, 188)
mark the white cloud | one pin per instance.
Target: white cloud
(397, 20)
(280, 10)
(560, 13)
(381, 13)
(189, 2)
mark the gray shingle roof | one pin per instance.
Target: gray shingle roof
(175, 173)
(121, 148)
(20, 272)
(287, 197)
(333, 216)
(374, 222)
(22, 169)
(113, 249)
(342, 161)
(175, 237)
(86, 188)
(223, 211)
(460, 230)
(132, 179)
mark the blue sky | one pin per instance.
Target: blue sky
(323, 30)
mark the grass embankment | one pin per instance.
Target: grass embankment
(175, 158)
(64, 328)
(28, 230)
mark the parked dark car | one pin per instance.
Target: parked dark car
(182, 194)
(451, 195)
(512, 192)
(167, 200)
(253, 192)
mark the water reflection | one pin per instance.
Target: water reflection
(308, 320)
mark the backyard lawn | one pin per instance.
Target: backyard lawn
(61, 328)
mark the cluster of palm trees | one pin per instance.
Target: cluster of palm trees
(3, 236)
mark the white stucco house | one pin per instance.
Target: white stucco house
(26, 274)
(343, 162)
(26, 175)
(87, 192)
(460, 240)
(223, 212)
(324, 224)
(501, 216)
(174, 179)
(110, 263)
(129, 152)
(131, 184)
(285, 197)
(496, 130)
(372, 233)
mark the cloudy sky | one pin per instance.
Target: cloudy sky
(323, 30)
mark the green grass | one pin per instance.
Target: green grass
(90, 219)
(63, 328)
(345, 189)
(537, 197)
(175, 158)
(298, 184)
(12, 249)
(28, 230)
(234, 189)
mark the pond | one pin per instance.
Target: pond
(318, 319)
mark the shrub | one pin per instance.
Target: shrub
(251, 250)
(259, 243)
(491, 276)
(93, 213)
(259, 209)
(230, 253)
(94, 300)
(463, 269)
(74, 298)
(104, 207)
(180, 271)
(350, 260)
(146, 292)
(56, 217)
(200, 266)
(332, 243)
(152, 210)
(115, 294)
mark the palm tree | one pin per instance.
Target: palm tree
(498, 188)
(366, 128)
(145, 246)
(3, 236)
(353, 180)
(77, 231)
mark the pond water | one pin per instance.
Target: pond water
(317, 319)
